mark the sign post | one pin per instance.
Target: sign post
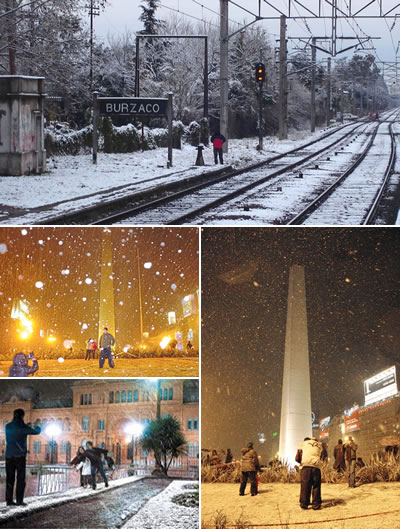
(95, 120)
(132, 107)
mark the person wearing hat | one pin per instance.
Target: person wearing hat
(250, 466)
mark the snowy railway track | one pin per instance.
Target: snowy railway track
(354, 197)
(184, 206)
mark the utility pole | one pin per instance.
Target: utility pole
(224, 41)
(11, 35)
(283, 81)
(328, 94)
(94, 11)
(313, 71)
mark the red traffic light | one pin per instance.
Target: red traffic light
(260, 72)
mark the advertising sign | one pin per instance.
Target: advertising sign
(324, 428)
(351, 420)
(380, 386)
(188, 305)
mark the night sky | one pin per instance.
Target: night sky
(353, 304)
(58, 270)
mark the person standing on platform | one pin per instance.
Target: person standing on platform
(217, 139)
(16, 450)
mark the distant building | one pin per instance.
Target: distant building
(99, 411)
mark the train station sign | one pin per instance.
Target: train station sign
(132, 106)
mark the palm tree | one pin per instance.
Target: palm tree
(164, 437)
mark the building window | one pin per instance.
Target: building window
(111, 397)
(189, 445)
(136, 396)
(86, 399)
(90, 398)
(165, 394)
(195, 424)
(85, 424)
(189, 424)
(81, 400)
(37, 447)
(195, 449)
(123, 396)
(100, 424)
(147, 396)
(171, 394)
(117, 396)
(161, 394)
(129, 396)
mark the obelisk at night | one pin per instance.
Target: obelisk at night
(106, 310)
(296, 420)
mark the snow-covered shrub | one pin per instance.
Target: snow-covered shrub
(192, 134)
(60, 139)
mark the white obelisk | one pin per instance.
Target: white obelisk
(296, 422)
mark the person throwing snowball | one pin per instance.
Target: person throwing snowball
(107, 340)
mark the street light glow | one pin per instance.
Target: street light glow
(134, 428)
(53, 430)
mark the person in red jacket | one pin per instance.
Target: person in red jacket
(217, 139)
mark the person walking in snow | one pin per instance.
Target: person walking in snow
(85, 469)
(96, 455)
(107, 340)
(309, 455)
(16, 450)
(217, 139)
(250, 466)
(79, 458)
(88, 349)
(351, 458)
(93, 349)
(338, 454)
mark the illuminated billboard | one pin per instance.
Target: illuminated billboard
(324, 427)
(189, 305)
(351, 420)
(380, 386)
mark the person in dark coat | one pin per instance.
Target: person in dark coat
(351, 458)
(250, 466)
(16, 450)
(20, 367)
(229, 456)
(217, 139)
(95, 455)
(79, 458)
(107, 340)
(338, 454)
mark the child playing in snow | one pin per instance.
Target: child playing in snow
(86, 472)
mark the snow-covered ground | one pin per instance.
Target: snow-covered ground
(73, 182)
(137, 367)
(162, 513)
(35, 503)
(372, 506)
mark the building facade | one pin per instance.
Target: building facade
(103, 412)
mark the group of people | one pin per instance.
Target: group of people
(88, 460)
(310, 456)
(107, 341)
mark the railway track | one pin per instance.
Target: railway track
(178, 207)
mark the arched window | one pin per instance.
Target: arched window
(161, 394)
(136, 396)
(85, 424)
(111, 397)
(189, 424)
(189, 449)
(90, 398)
(123, 396)
(117, 396)
(195, 424)
(129, 396)
(81, 399)
(165, 394)
(171, 394)
(195, 449)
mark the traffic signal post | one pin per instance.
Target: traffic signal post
(260, 78)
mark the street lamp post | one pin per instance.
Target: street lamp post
(52, 431)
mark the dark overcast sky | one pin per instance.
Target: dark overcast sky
(352, 285)
(63, 259)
